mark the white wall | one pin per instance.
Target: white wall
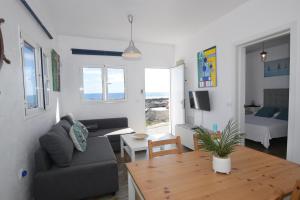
(253, 18)
(19, 136)
(255, 80)
(154, 55)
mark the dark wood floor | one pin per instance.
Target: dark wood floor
(277, 147)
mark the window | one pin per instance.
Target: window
(30, 76)
(46, 80)
(115, 84)
(35, 78)
(104, 84)
(92, 84)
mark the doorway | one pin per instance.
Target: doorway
(267, 95)
(241, 80)
(157, 101)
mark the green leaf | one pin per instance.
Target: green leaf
(222, 147)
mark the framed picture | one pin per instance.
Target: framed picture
(279, 67)
(207, 67)
(55, 70)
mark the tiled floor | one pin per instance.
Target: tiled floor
(161, 128)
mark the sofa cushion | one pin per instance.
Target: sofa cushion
(42, 160)
(68, 118)
(58, 145)
(65, 124)
(98, 150)
(113, 133)
(78, 138)
(109, 123)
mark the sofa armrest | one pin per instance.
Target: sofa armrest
(109, 123)
(77, 182)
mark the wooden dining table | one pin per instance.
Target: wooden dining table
(255, 175)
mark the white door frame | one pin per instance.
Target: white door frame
(241, 77)
(170, 99)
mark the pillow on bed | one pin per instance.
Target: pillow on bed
(283, 115)
(266, 112)
(276, 114)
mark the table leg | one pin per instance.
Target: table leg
(131, 190)
(122, 148)
(132, 156)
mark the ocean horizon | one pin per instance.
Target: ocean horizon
(116, 96)
(157, 95)
(32, 100)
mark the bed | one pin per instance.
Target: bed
(262, 129)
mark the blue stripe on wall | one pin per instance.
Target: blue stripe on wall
(96, 52)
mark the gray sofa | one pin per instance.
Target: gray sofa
(63, 173)
(111, 127)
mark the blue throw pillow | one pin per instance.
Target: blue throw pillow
(283, 115)
(266, 112)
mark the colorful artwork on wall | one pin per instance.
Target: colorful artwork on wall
(207, 67)
(279, 67)
(55, 70)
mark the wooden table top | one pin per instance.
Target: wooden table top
(254, 175)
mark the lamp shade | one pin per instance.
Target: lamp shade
(131, 51)
(263, 56)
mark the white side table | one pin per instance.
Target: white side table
(131, 145)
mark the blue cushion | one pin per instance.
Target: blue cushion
(266, 112)
(283, 115)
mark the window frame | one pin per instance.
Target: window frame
(45, 79)
(104, 84)
(38, 74)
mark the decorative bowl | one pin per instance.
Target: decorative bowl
(139, 136)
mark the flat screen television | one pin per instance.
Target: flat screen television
(199, 100)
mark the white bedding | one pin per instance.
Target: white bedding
(261, 129)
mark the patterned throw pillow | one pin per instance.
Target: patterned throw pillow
(77, 137)
(85, 131)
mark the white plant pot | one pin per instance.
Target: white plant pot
(222, 165)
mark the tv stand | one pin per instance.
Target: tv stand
(186, 132)
(195, 127)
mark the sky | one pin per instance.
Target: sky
(157, 80)
(92, 81)
(29, 70)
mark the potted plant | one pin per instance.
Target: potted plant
(221, 146)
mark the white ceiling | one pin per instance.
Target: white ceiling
(159, 21)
